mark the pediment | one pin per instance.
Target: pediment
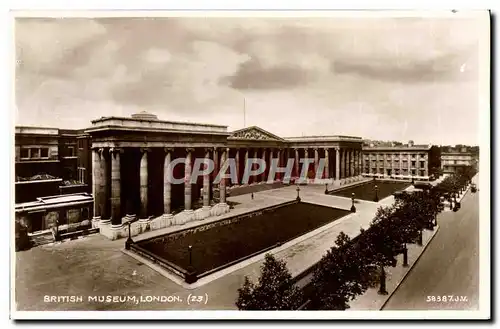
(254, 133)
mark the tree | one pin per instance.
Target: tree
(275, 289)
(340, 276)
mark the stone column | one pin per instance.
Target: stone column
(351, 163)
(279, 176)
(222, 183)
(245, 165)
(296, 164)
(271, 158)
(143, 183)
(306, 156)
(206, 181)
(103, 188)
(96, 184)
(263, 175)
(316, 159)
(343, 167)
(167, 185)
(254, 178)
(355, 162)
(187, 180)
(116, 219)
(237, 160)
(337, 163)
(216, 164)
(327, 164)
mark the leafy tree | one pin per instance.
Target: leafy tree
(274, 290)
(340, 276)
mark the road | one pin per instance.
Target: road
(449, 266)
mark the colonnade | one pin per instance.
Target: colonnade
(133, 180)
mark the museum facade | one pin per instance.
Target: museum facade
(130, 157)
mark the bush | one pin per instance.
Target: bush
(275, 289)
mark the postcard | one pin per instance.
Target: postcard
(220, 165)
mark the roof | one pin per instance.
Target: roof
(56, 201)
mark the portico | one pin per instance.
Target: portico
(133, 157)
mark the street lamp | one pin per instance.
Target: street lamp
(405, 255)
(376, 194)
(191, 275)
(190, 250)
(353, 209)
(298, 193)
(129, 239)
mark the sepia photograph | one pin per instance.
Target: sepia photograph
(227, 162)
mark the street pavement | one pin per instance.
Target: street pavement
(449, 266)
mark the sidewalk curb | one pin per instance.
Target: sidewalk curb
(436, 229)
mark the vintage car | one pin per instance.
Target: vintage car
(473, 188)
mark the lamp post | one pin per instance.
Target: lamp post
(190, 250)
(326, 188)
(191, 275)
(353, 208)
(376, 194)
(129, 239)
(298, 193)
(405, 255)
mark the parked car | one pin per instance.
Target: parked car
(473, 188)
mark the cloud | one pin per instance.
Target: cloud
(201, 68)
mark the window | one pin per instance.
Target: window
(35, 153)
(422, 164)
(44, 152)
(413, 172)
(413, 163)
(71, 151)
(25, 154)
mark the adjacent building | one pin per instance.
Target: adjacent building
(455, 159)
(403, 161)
(48, 161)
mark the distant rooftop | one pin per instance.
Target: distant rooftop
(33, 130)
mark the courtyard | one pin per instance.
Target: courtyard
(223, 244)
(366, 191)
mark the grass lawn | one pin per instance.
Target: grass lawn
(366, 191)
(219, 245)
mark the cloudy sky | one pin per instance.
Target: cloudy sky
(379, 78)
